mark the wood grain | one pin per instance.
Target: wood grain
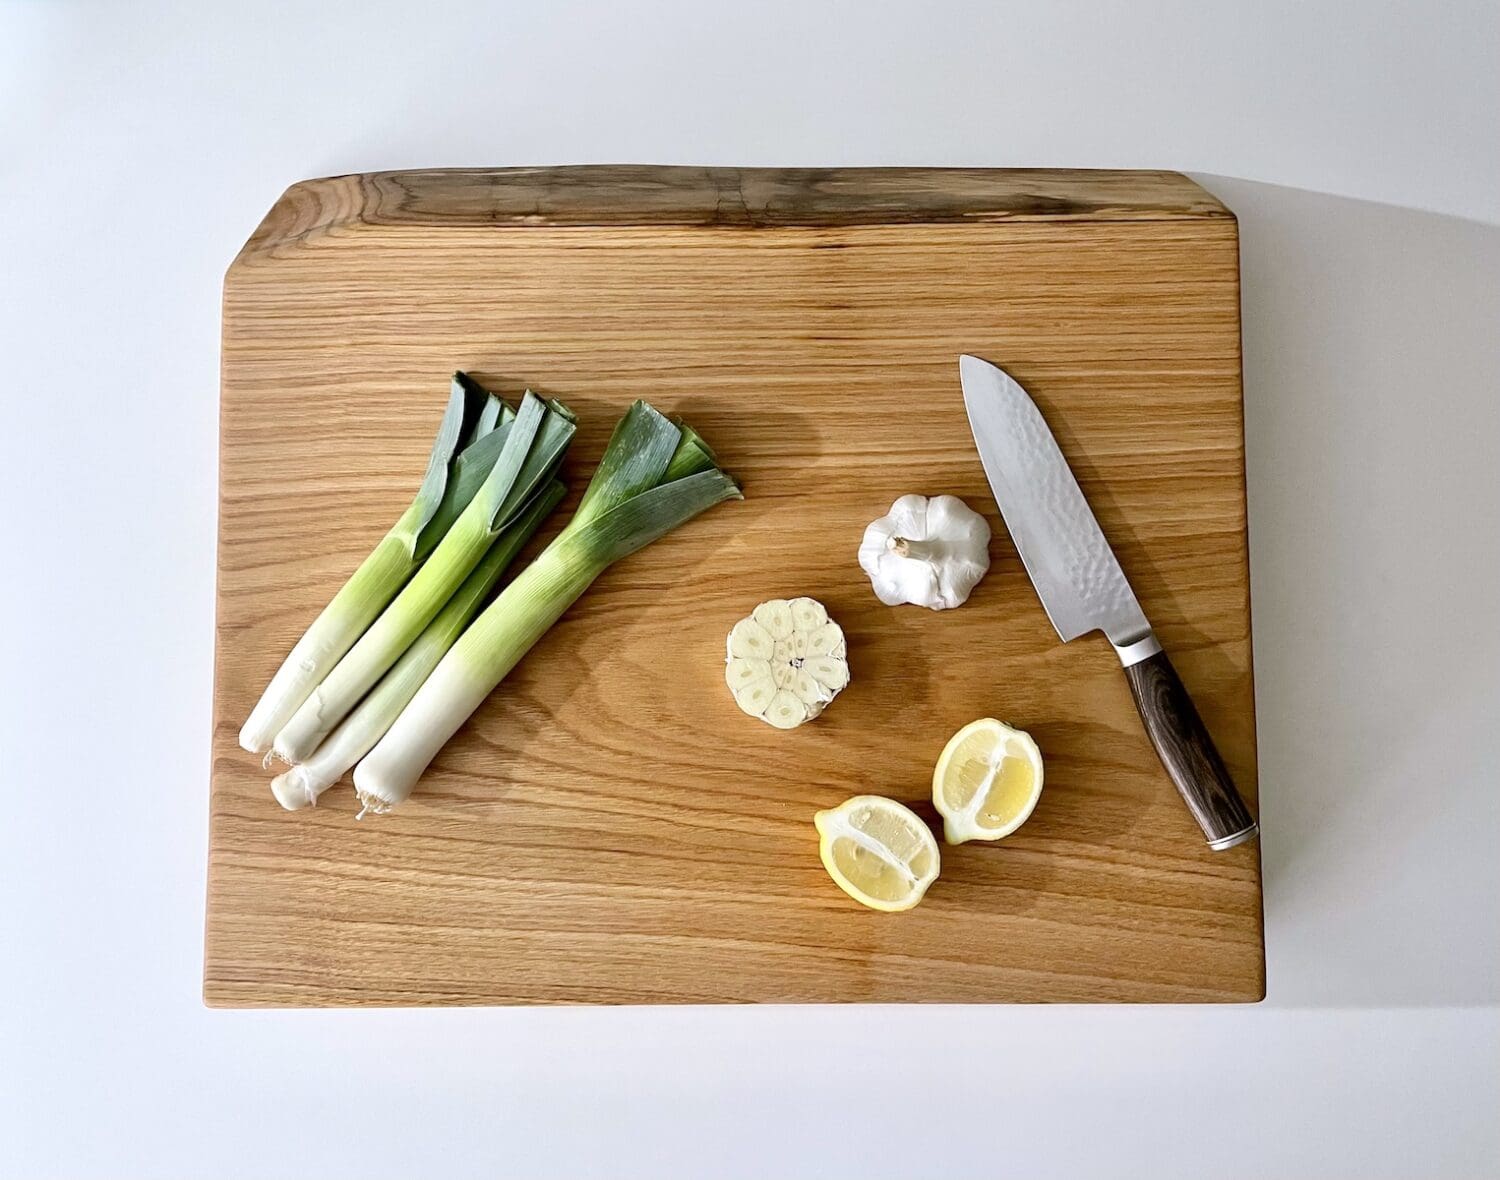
(609, 827)
(633, 194)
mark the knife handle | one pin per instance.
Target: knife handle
(1187, 751)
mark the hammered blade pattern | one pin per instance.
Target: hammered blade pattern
(1075, 572)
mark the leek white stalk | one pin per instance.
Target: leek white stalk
(357, 734)
(535, 444)
(382, 574)
(624, 509)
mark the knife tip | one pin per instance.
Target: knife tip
(970, 366)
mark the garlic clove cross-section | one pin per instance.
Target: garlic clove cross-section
(785, 661)
(929, 553)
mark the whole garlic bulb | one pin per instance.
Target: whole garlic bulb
(929, 553)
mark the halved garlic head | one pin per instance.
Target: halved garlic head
(786, 661)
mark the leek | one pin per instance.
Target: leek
(357, 734)
(493, 413)
(692, 454)
(629, 503)
(472, 414)
(532, 450)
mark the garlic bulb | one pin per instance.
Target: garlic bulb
(786, 662)
(930, 553)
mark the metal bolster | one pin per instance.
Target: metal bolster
(1141, 649)
(1239, 837)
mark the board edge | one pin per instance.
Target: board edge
(745, 198)
(1239, 345)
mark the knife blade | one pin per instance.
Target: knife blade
(1083, 589)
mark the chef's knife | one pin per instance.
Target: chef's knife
(1083, 589)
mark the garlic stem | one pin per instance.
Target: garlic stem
(916, 550)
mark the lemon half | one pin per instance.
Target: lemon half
(878, 852)
(987, 781)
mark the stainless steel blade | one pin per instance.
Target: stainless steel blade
(1076, 575)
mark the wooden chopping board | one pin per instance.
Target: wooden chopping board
(609, 827)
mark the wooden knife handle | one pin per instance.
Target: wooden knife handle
(1188, 752)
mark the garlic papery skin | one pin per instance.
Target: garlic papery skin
(927, 552)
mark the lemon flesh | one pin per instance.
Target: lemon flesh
(987, 781)
(878, 852)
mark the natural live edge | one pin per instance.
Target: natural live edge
(535, 444)
(626, 507)
(666, 195)
(357, 734)
(380, 576)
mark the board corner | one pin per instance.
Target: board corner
(305, 210)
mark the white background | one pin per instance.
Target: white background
(1360, 144)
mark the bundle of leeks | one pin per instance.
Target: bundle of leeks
(398, 661)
